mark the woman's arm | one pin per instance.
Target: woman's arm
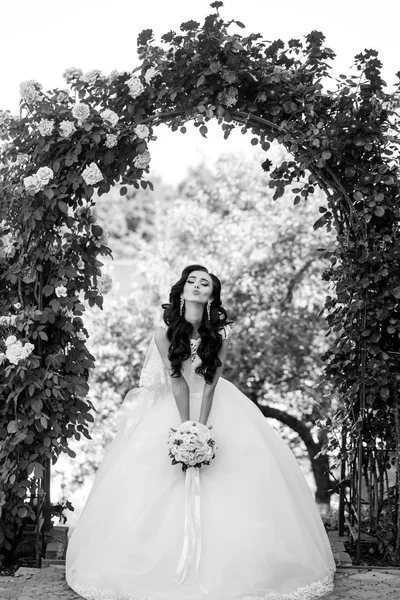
(209, 388)
(180, 388)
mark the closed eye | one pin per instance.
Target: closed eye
(203, 282)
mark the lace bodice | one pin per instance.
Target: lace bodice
(154, 376)
(195, 381)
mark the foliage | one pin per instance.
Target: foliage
(67, 142)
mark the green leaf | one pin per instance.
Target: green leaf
(38, 471)
(379, 211)
(37, 405)
(48, 290)
(22, 512)
(55, 305)
(62, 206)
(109, 157)
(12, 427)
(396, 292)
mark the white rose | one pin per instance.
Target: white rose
(17, 305)
(81, 336)
(15, 353)
(135, 86)
(80, 265)
(142, 131)
(114, 74)
(44, 174)
(71, 74)
(142, 160)
(110, 116)
(45, 127)
(184, 427)
(32, 183)
(8, 321)
(201, 457)
(111, 140)
(67, 128)
(150, 73)
(61, 291)
(30, 91)
(92, 174)
(104, 284)
(183, 456)
(22, 159)
(81, 112)
(27, 349)
(91, 76)
(10, 340)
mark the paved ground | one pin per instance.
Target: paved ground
(350, 584)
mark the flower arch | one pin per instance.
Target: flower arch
(67, 143)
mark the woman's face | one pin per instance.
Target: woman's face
(198, 287)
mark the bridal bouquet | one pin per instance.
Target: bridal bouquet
(191, 445)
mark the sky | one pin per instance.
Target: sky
(41, 38)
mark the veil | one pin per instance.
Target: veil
(153, 382)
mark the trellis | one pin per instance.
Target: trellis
(66, 143)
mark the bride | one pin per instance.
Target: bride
(243, 528)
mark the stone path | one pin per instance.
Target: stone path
(350, 584)
(37, 584)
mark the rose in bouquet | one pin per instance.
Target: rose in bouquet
(191, 445)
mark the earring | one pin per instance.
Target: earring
(209, 302)
(181, 306)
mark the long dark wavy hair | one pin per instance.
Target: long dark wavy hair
(179, 330)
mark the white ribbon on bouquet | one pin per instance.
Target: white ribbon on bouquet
(192, 532)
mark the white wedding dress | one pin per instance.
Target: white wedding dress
(245, 527)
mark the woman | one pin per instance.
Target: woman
(243, 528)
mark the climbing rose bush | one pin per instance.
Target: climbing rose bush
(344, 142)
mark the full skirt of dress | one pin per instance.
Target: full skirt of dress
(262, 537)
